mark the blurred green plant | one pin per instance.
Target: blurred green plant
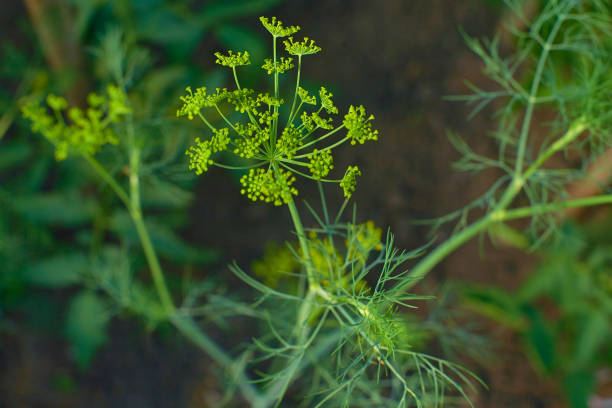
(56, 231)
(346, 295)
(563, 310)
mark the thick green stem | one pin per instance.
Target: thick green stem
(546, 208)
(434, 258)
(299, 230)
(147, 246)
(274, 129)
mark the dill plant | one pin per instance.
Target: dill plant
(329, 306)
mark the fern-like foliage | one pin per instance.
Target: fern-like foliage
(560, 66)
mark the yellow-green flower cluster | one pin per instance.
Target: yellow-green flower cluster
(79, 131)
(306, 47)
(251, 139)
(275, 27)
(233, 59)
(270, 100)
(243, 100)
(269, 186)
(314, 121)
(193, 102)
(278, 262)
(306, 139)
(349, 181)
(282, 65)
(320, 163)
(199, 154)
(290, 141)
(326, 101)
(305, 97)
(359, 126)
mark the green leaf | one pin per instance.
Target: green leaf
(578, 387)
(495, 304)
(542, 281)
(86, 323)
(14, 154)
(58, 271)
(541, 340)
(593, 334)
(67, 209)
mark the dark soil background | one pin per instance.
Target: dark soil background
(398, 58)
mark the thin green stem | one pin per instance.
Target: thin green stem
(332, 146)
(225, 166)
(295, 95)
(230, 124)
(282, 163)
(211, 127)
(236, 78)
(248, 111)
(274, 129)
(325, 136)
(295, 114)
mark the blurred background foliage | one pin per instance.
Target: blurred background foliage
(71, 48)
(563, 310)
(67, 249)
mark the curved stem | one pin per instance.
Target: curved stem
(225, 119)
(206, 122)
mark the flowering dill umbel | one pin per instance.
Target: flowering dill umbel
(280, 148)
